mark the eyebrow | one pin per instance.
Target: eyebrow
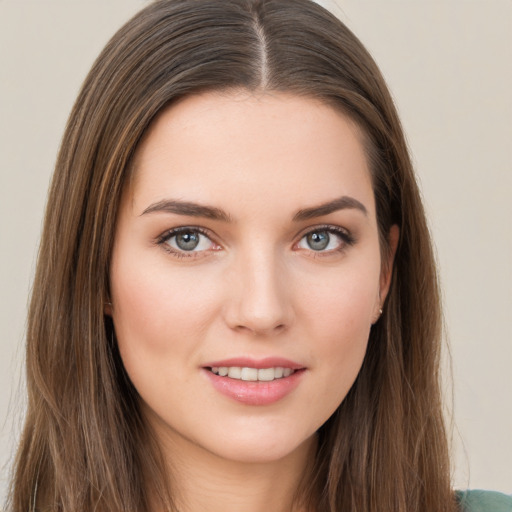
(341, 203)
(189, 209)
(211, 212)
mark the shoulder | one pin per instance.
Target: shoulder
(484, 501)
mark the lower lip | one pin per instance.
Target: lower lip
(255, 392)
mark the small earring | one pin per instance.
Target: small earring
(378, 316)
(108, 308)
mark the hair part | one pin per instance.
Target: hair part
(85, 444)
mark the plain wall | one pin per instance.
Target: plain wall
(448, 64)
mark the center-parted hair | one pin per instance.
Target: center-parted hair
(85, 444)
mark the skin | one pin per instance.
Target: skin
(253, 287)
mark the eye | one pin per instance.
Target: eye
(325, 240)
(181, 241)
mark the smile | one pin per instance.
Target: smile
(252, 374)
(253, 381)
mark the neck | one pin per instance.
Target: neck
(201, 480)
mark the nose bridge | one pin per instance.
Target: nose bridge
(260, 302)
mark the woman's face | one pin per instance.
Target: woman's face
(246, 245)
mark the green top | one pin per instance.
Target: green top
(484, 501)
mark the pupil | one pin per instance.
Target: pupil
(187, 241)
(318, 240)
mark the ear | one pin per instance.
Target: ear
(387, 265)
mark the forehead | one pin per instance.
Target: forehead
(267, 147)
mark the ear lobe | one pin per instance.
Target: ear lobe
(387, 266)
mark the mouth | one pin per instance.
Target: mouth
(249, 374)
(255, 382)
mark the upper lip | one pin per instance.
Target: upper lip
(248, 362)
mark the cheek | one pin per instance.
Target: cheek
(338, 314)
(160, 320)
(154, 309)
(343, 302)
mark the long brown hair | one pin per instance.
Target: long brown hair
(85, 445)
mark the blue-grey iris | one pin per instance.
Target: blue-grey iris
(318, 240)
(187, 241)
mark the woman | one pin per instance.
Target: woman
(236, 304)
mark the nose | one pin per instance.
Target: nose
(259, 300)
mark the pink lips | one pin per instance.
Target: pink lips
(255, 392)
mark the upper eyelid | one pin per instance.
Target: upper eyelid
(324, 227)
(169, 233)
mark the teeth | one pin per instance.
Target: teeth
(266, 374)
(235, 372)
(252, 374)
(249, 374)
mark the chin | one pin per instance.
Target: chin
(258, 449)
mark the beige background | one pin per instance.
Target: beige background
(448, 64)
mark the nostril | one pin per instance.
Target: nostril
(260, 330)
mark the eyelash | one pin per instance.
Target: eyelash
(347, 240)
